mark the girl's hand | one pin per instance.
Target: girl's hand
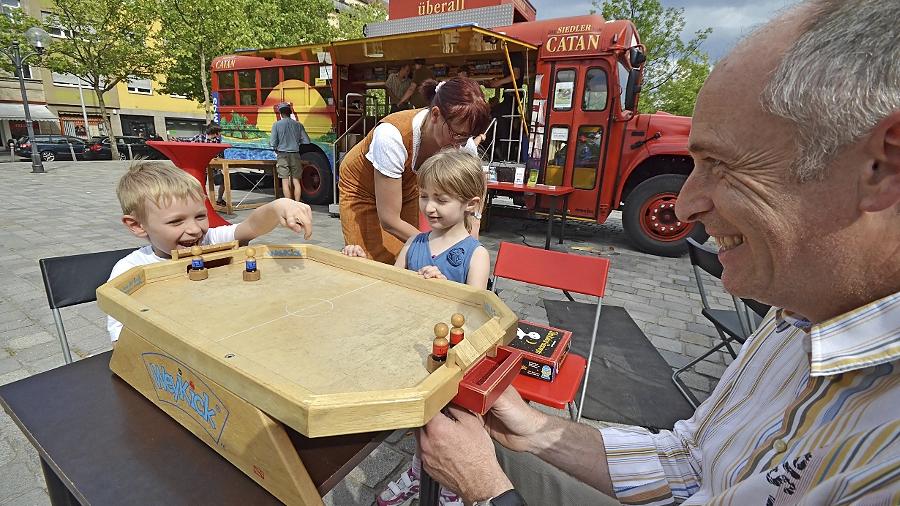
(354, 250)
(431, 272)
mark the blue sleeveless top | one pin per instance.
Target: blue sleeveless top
(453, 263)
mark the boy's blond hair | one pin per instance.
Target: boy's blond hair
(155, 181)
(456, 173)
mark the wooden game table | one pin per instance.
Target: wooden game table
(225, 165)
(314, 342)
(102, 443)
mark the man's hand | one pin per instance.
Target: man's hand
(354, 250)
(431, 272)
(512, 422)
(457, 452)
(294, 215)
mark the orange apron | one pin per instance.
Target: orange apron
(359, 216)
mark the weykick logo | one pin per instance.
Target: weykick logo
(178, 386)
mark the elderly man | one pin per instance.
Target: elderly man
(796, 142)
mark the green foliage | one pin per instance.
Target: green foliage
(108, 45)
(13, 23)
(675, 69)
(352, 21)
(279, 23)
(238, 127)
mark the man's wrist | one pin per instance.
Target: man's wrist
(509, 497)
(494, 484)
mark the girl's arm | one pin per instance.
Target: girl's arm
(401, 257)
(479, 268)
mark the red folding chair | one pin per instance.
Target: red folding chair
(554, 269)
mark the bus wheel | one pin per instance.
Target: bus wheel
(649, 218)
(315, 178)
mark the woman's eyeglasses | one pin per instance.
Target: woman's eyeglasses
(456, 136)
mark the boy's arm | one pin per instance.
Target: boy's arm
(294, 215)
(304, 137)
(479, 268)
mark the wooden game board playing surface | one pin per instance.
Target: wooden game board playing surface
(319, 336)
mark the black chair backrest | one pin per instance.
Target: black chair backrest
(704, 258)
(74, 279)
(757, 307)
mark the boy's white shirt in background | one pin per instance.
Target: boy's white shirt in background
(146, 256)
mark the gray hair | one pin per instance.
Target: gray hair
(840, 78)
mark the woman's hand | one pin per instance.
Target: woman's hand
(354, 250)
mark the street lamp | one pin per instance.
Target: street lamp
(39, 40)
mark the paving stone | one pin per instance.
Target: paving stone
(34, 497)
(377, 466)
(17, 480)
(349, 492)
(710, 369)
(27, 341)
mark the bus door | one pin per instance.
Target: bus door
(577, 123)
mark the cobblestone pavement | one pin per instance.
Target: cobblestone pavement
(73, 209)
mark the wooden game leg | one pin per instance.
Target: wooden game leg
(251, 440)
(429, 490)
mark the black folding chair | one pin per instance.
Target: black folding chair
(73, 280)
(732, 325)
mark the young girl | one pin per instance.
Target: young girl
(451, 191)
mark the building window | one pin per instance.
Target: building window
(141, 86)
(54, 28)
(15, 4)
(26, 72)
(70, 80)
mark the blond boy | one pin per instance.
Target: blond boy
(166, 206)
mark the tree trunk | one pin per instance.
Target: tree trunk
(114, 150)
(203, 80)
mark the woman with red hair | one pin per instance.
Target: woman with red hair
(377, 179)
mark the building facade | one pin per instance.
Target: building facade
(59, 102)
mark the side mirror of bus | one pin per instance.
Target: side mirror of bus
(636, 57)
(632, 89)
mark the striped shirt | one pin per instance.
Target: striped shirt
(806, 414)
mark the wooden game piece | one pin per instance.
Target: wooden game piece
(198, 271)
(439, 347)
(251, 273)
(456, 333)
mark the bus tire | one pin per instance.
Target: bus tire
(649, 218)
(315, 178)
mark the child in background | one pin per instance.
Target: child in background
(166, 205)
(451, 191)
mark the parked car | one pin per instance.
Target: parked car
(52, 147)
(99, 149)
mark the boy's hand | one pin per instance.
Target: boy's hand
(431, 272)
(294, 215)
(354, 250)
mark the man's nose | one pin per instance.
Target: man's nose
(694, 199)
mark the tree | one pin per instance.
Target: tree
(279, 23)
(13, 23)
(193, 34)
(351, 22)
(108, 41)
(673, 66)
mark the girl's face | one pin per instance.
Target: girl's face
(444, 211)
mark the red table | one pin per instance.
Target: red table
(553, 191)
(193, 158)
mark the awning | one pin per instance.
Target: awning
(17, 112)
(464, 41)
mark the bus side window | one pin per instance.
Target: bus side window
(226, 87)
(564, 90)
(268, 79)
(595, 90)
(247, 86)
(587, 157)
(557, 152)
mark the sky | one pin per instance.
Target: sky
(729, 19)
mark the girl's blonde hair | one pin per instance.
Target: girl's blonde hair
(159, 182)
(456, 173)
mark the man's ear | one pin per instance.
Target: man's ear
(880, 182)
(134, 225)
